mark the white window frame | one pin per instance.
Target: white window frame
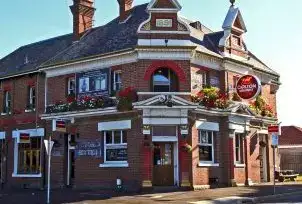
(117, 72)
(6, 102)
(204, 79)
(206, 145)
(32, 96)
(122, 144)
(69, 89)
(241, 150)
(16, 159)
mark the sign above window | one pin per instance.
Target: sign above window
(248, 87)
(93, 83)
(164, 23)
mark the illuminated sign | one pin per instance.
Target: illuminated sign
(248, 87)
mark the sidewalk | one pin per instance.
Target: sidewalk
(94, 197)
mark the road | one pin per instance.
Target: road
(286, 199)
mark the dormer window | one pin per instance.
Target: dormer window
(164, 80)
(236, 40)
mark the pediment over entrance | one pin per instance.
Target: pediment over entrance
(165, 101)
(241, 108)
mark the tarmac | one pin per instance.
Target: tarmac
(250, 194)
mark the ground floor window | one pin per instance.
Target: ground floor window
(29, 156)
(239, 148)
(115, 146)
(206, 146)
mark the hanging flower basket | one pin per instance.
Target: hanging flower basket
(188, 148)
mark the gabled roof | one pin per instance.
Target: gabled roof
(29, 57)
(175, 5)
(233, 15)
(290, 135)
(112, 37)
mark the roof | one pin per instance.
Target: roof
(231, 17)
(290, 135)
(111, 37)
(28, 58)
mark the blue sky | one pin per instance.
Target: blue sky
(274, 33)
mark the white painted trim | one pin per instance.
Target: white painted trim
(114, 125)
(165, 93)
(114, 165)
(203, 125)
(2, 135)
(202, 164)
(91, 64)
(39, 132)
(240, 184)
(239, 165)
(175, 2)
(26, 175)
(201, 187)
(16, 75)
(264, 132)
(165, 121)
(289, 146)
(161, 42)
(79, 114)
(164, 138)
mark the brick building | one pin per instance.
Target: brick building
(128, 100)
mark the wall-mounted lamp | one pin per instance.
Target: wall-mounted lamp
(166, 42)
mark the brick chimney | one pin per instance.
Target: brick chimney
(125, 6)
(83, 12)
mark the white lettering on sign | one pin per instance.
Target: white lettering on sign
(167, 23)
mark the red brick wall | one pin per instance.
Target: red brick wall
(88, 174)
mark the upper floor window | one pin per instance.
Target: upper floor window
(71, 86)
(32, 97)
(117, 82)
(164, 80)
(7, 102)
(236, 40)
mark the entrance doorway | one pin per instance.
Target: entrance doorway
(163, 164)
(70, 159)
(263, 160)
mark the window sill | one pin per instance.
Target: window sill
(114, 165)
(3, 114)
(208, 164)
(27, 175)
(239, 165)
(29, 110)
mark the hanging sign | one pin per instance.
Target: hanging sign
(24, 138)
(59, 126)
(273, 129)
(248, 87)
(275, 139)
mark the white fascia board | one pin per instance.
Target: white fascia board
(91, 64)
(114, 125)
(289, 146)
(161, 42)
(39, 132)
(203, 125)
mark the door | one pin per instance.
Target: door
(163, 164)
(263, 164)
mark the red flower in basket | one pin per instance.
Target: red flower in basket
(71, 99)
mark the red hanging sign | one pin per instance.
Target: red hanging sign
(273, 129)
(60, 126)
(248, 87)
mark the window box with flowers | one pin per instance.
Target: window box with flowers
(260, 107)
(125, 99)
(211, 97)
(82, 103)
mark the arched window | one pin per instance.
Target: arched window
(164, 80)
